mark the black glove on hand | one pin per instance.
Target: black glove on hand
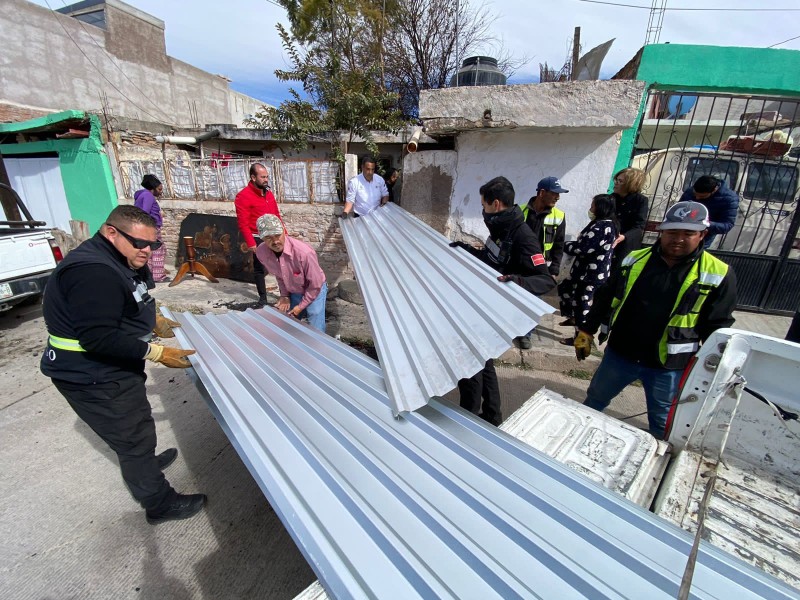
(348, 215)
(512, 278)
(458, 245)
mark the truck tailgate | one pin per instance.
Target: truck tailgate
(25, 254)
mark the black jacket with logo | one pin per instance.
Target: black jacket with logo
(513, 249)
(93, 296)
(641, 322)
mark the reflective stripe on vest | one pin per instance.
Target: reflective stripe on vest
(679, 340)
(60, 343)
(553, 220)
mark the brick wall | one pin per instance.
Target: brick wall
(316, 224)
(11, 113)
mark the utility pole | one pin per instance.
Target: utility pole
(656, 20)
(576, 52)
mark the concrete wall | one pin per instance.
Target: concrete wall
(582, 160)
(43, 68)
(762, 71)
(596, 105)
(428, 179)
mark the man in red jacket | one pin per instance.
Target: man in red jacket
(252, 202)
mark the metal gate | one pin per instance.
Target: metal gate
(745, 141)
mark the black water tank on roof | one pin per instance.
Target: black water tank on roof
(478, 70)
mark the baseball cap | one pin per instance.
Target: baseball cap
(691, 216)
(551, 184)
(269, 225)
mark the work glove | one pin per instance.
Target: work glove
(348, 215)
(513, 278)
(163, 328)
(174, 358)
(458, 245)
(583, 345)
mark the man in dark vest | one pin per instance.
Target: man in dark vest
(657, 308)
(516, 253)
(547, 222)
(100, 318)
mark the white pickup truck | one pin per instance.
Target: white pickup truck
(28, 253)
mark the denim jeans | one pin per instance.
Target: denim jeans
(616, 372)
(314, 311)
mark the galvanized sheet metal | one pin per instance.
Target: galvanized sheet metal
(437, 313)
(436, 503)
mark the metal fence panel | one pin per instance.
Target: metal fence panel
(300, 181)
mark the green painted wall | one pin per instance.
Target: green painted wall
(85, 170)
(757, 71)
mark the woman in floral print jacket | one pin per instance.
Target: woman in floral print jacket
(592, 251)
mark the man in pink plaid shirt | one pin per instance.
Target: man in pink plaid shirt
(294, 264)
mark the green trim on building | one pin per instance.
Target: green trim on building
(42, 123)
(85, 170)
(722, 69)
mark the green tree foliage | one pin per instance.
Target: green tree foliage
(363, 63)
(341, 80)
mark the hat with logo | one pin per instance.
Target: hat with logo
(551, 184)
(691, 216)
(269, 225)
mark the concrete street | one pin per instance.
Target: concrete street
(70, 529)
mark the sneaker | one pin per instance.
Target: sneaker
(183, 507)
(166, 458)
(524, 342)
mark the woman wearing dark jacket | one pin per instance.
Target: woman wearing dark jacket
(592, 265)
(632, 207)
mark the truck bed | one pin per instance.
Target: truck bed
(751, 514)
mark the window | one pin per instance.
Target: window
(772, 183)
(726, 170)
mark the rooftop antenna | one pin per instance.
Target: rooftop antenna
(656, 20)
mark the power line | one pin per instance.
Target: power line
(784, 41)
(113, 62)
(619, 4)
(99, 72)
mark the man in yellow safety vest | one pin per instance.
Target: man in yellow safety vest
(656, 310)
(547, 222)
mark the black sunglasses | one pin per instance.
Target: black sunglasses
(138, 243)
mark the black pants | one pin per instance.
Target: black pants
(259, 272)
(482, 385)
(119, 412)
(793, 335)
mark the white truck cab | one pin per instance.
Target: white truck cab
(28, 254)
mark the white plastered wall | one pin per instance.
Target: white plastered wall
(583, 160)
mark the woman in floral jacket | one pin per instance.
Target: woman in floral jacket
(592, 251)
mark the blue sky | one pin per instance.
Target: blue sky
(238, 39)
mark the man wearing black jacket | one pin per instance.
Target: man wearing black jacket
(516, 253)
(100, 318)
(658, 308)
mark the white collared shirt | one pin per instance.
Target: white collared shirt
(366, 195)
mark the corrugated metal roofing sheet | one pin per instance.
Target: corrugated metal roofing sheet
(436, 503)
(437, 313)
